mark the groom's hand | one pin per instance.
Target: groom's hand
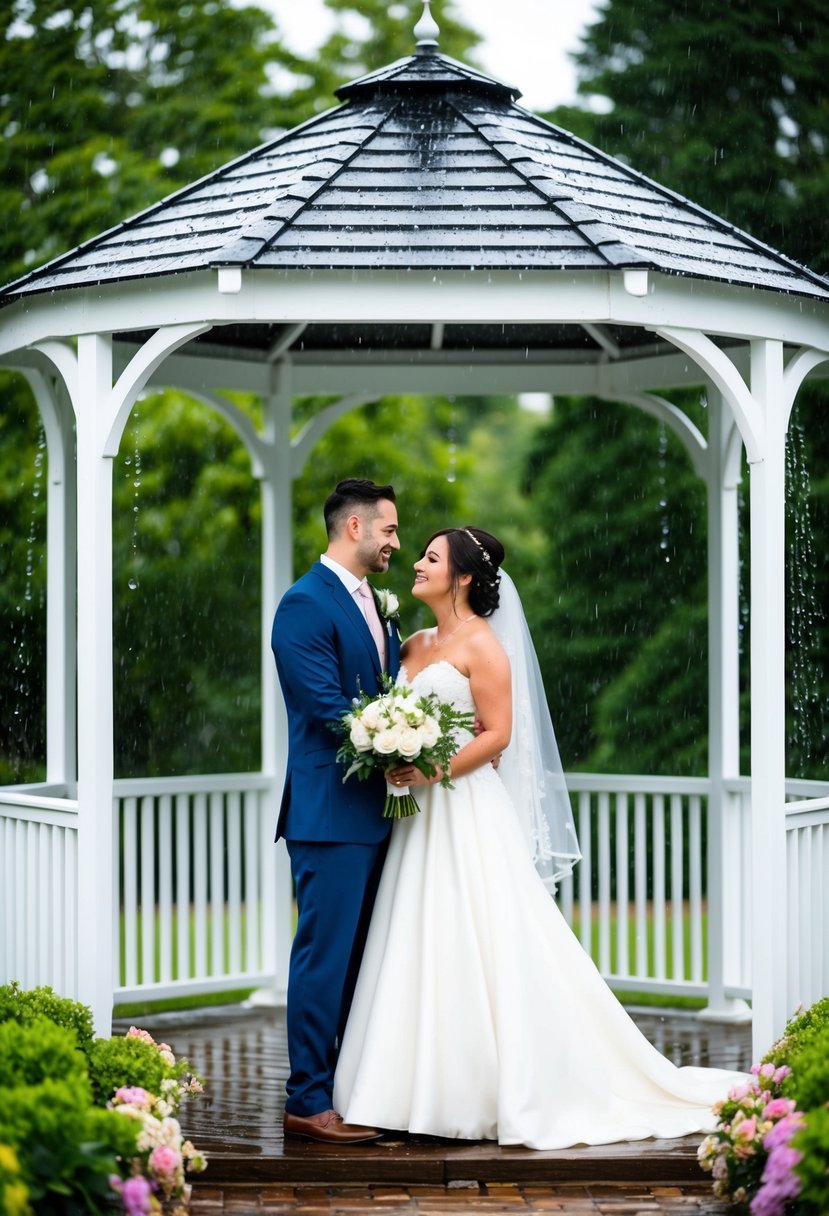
(478, 726)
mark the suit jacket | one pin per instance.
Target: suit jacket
(325, 656)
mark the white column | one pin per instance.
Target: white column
(277, 575)
(61, 507)
(61, 643)
(723, 479)
(95, 726)
(768, 697)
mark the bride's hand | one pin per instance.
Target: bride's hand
(407, 774)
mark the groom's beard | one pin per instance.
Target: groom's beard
(376, 561)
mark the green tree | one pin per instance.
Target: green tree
(625, 564)
(725, 103)
(107, 106)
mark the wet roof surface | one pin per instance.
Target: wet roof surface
(426, 165)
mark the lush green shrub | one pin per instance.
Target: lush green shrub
(24, 1006)
(800, 1032)
(124, 1061)
(14, 1197)
(66, 1148)
(812, 1141)
(38, 1051)
(809, 1080)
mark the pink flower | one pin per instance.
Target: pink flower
(143, 1035)
(778, 1107)
(738, 1092)
(165, 1160)
(783, 1131)
(744, 1134)
(780, 1183)
(136, 1195)
(766, 1071)
(133, 1095)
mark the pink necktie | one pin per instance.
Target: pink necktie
(373, 619)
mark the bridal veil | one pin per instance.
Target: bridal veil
(531, 766)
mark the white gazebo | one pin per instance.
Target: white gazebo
(427, 235)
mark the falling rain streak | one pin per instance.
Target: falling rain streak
(664, 522)
(23, 610)
(806, 733)
(133, 465)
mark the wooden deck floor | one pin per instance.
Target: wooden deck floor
(242, 1054)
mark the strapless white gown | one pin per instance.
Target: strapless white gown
(477, 1013)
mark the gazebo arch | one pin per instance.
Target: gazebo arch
(425, 235)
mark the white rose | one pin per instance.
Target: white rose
(371, 715)
(359, 736)
(392, 604)
(429, 732)
(385, 741)
(409, 743)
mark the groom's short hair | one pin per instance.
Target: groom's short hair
(354, 495)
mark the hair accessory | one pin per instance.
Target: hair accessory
(473, 537)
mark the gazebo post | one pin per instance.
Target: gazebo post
(723, 479)
(95, 702)
(61, 512)
(277, 575)
(768, 696)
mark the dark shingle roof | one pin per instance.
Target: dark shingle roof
(429, 165)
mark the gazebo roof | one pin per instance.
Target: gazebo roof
(427, 165)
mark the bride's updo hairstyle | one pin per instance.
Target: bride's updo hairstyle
(473, 551)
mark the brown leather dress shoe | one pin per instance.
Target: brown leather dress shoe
(327, 1126)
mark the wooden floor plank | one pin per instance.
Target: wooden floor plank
(241, 1052)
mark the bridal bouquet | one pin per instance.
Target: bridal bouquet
(400, 727)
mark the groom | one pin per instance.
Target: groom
(330, 645)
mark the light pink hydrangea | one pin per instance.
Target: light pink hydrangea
(136, 1195)
(133, 1095)
(144, 1035)
(164, 1159)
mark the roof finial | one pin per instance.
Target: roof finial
(426, 31)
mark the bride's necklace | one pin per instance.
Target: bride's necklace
(442, 641)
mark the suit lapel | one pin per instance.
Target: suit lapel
(351, 612)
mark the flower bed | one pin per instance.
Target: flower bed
(88, 1125)
(770, 1153)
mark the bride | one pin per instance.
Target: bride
(477, 1014)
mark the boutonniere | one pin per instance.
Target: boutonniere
(388, 604)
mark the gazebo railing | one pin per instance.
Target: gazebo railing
(807, 865)
(200, 898)
(39, 888)
(196, 878)
(636, 898)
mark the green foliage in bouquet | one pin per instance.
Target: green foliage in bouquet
(14, 1195)
(24, 1005)
(124, 1061)
(67, 1149)
(40, 1051)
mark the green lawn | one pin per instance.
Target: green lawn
(235, 995)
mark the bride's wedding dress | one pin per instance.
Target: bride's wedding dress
(477, 1013)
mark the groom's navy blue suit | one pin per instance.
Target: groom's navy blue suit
(335, 833)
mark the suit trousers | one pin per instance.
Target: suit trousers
(335, 889)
